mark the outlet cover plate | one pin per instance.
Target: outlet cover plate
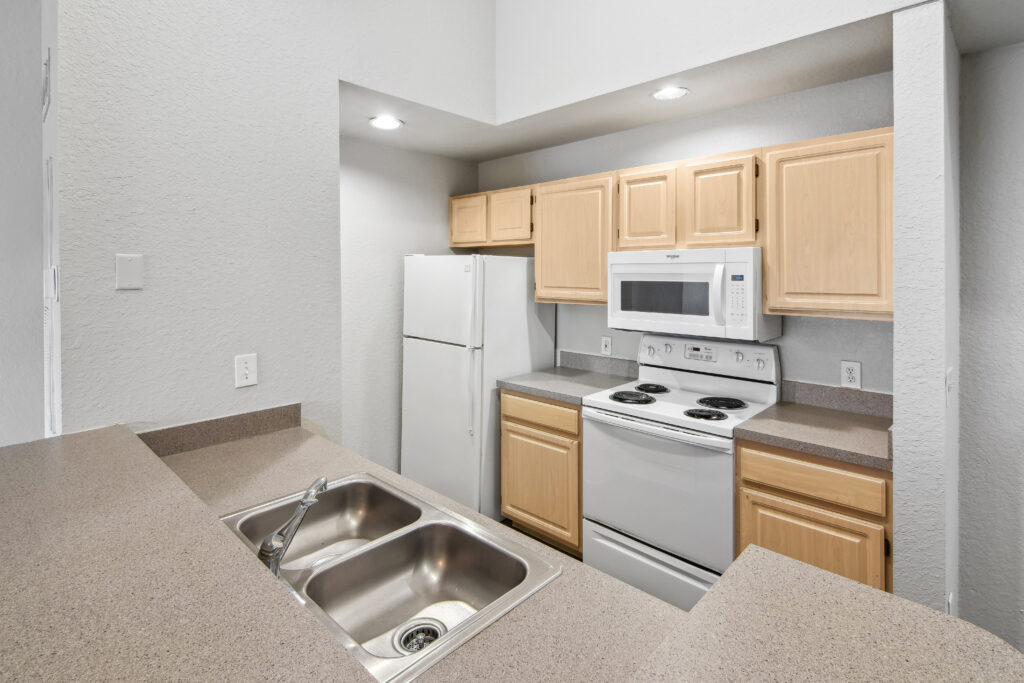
(606, 346)
(850, 374)
(245, 370)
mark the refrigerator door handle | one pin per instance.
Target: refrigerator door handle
(469, 382)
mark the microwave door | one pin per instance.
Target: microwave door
(688, 301)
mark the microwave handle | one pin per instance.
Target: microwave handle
(718, 294)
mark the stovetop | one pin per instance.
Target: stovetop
(683, 393)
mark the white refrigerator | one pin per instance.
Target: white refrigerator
(468, 321)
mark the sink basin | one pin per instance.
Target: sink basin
(347, 515)
(398, 581)
(435, 575)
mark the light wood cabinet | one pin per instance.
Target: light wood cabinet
(500, 218)
(829, 226)
(509, 218)
(540, 468)
(573, 234)
(647, 208)
(467, 216)
(838, 543)
(830, 514)
(718, 202)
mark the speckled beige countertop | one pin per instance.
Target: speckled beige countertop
(835, 434)
(562, 384)
(116, 569)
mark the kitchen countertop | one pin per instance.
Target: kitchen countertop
(562, 384)
(834, 434)
(177, 595)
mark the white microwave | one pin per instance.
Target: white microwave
(691, 292)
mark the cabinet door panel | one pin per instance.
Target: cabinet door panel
(572, 233)
(467, 219)
(718, 202)
(837, 543)
(829, 220)
(647, 208)
(509, 216)
(540, 481)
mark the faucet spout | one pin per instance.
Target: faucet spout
(275, 545)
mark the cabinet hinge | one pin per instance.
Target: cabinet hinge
(531, 227)
(757, 169)
(533, 200)
(888, 548)
(757, 225)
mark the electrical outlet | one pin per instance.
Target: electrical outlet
(245, 370)
(850, 377)
(606, 346)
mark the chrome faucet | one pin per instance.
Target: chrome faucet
(276, 544)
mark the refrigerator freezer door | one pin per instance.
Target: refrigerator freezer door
(442, 299)
(441, 418)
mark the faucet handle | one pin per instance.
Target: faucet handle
(314, 490)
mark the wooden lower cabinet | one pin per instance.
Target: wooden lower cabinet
(829, 514)
(540, 470)
(841, 544)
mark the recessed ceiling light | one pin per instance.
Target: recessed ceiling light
(386, 122)
(670, 92)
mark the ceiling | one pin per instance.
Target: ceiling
(981, 25)
(852, 51)
(840, 54)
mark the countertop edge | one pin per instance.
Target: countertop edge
(829, 452)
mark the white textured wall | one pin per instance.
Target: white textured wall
(992, 332)
(811, 348)
(550, 54)
(21, 221)
(393, 202)
(204, 136)
(926, 228)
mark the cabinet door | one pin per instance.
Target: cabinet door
(717, 200)
(829, 227)
(844, 545)
(508, 216)
(540, 484)
(647, 208)
(572, 234)
(467, 218)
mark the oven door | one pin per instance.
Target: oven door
(678, 298)
(670, 488)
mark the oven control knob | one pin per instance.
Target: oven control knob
(739, 356)
(668, 348)
(650, 350)
(760, 364)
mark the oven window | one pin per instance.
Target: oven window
(672, 298)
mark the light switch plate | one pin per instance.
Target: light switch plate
(606, 346)
(128, 271)
(246, 370)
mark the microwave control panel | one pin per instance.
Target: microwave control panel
(736, 300)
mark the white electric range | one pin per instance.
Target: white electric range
(658, 494)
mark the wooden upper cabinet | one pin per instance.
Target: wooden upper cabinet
(647, 208)
(829, 226)
(508, 216)
(717, 202)
(467, 216)
(573, 234)
(845, 545)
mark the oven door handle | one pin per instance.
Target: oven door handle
(718, 294)
(717, 443)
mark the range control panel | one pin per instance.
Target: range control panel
(728, 358)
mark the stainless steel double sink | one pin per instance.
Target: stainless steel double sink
(399, 581)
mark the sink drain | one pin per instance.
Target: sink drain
(417, 635)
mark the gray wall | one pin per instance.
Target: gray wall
(811, 348)
(205, 138)
(925, 64)
(21, 224)
(393, 202)
(991, 466)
